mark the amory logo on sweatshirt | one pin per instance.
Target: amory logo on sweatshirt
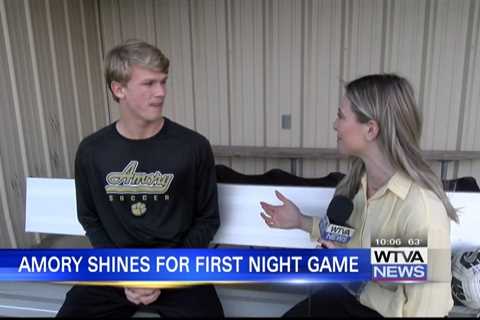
(129, 181)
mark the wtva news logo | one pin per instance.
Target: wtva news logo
(399, 264)
(334, 232)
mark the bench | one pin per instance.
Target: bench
(51, 209)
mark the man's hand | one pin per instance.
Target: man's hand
(142, 295)
(325, 244)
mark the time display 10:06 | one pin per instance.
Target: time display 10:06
(397, 242)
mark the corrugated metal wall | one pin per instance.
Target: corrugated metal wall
(237, 67)
(51, 96)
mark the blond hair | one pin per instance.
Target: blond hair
(120, 59)
(389, 100)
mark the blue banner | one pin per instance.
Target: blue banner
(186, 265)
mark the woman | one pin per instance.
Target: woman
(395, 195)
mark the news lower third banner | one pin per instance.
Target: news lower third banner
(190, 266)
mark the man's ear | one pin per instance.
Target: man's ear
(118, 89)
(373, 129)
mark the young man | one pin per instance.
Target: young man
(144, 181)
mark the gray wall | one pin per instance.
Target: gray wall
(237, 67)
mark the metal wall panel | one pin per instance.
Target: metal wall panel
(283, 72)
(67, 96)
(404, 39)
(7, 236)
(93, 52)
(209, 49)
(47, 91)
(444, 71)
(469, 121)
(173, 30)
(110, 30)
(136, 18)
(24, 94)
(238, 66)
(246, 68)
(322, 79)
(51, 98)
(364, 43)
(11, 148)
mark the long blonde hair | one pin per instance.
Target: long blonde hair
(389, 100)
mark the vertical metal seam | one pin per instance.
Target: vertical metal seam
(227, 45)
(120, 24)
(264, 77)
(358, 17)
(476, 48)
(38, 92)
(451, 82)
(87, 63)
(229, 30)
(154, 10)
(38, 96)
(350, 37)
(192, 66)
(291, 58)
(218, 73)
(241, 60)
(302, 69)
(343, 43)
(392, 27)
(72, 66)
(383, 41)
(425, 47)
(101, 52)
(175, 13)
(466, 75)
(56, 84)
(6, 209)
(302, 80)
(204, 35)
(431, 39)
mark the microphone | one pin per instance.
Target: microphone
(333, 226)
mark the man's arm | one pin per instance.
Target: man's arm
(86, 213)
(206, 219)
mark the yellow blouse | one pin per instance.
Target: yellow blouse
(403, 209)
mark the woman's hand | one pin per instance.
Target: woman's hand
(285, 216)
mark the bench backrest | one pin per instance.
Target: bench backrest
(51, 208)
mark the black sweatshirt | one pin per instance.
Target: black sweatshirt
(155, 192)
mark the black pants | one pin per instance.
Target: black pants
(97, 301)
(331, 301)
